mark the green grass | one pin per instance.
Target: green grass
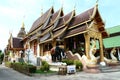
(44, 72)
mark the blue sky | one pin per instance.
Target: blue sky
(14, 12)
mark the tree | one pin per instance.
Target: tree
(1, 56)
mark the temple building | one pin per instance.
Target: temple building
(112, 41)
(15, 44)
(73, 32)
(81, 37)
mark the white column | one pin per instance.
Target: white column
(38, 50)
(118, 54)
(38, 55)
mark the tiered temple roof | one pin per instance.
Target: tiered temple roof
(55, 24)
(41, 20)
(22, 32)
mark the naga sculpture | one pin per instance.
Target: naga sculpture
(93, 60)
(113, 58)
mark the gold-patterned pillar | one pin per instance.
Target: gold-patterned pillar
(65, 43)
(101, 48)
(54, 42)
(41, 49)
(87, 44)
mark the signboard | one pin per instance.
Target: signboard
(71, 69)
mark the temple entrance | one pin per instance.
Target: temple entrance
(76, 44)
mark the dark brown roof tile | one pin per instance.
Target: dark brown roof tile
(65, 19)
(17, 43)
(41, 20)
(81, 17)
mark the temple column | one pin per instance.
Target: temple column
(118, 53)
(87, 45)
(38, 50)
(54, 42)
(41, 49)
(101, 49)
(65, 43)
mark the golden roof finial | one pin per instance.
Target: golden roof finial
(10, 33)
(74, 7)
(23, 25)
(97, 2)
(41, 10)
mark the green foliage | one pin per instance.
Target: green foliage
(1, 57)
(78, 65)
(68, 62)
(74, 62)
(45, 72)
(45, 66)
(0, 51)
(8, 64)
(24, 68)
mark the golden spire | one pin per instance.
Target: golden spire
(23, 25)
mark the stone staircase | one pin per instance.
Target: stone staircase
(106, 69)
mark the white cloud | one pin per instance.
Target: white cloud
(11, 12)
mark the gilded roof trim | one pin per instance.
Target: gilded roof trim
(58, 16)
(94, 12)
(40, 26)
(79, 24)
(48, 29)
(77, 34)
(58, 28)
(46, 41)
(73, 13)
(60, 32)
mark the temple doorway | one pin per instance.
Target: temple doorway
(76, 44)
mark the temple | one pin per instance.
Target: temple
(15, 44)
(73, 32)
(76, 33)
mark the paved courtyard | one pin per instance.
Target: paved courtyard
(9, 74)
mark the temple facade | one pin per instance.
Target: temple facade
(15, 44)
(73, 32)
(70, 31)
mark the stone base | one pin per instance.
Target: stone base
(92, 69)
(55, 66)
(113, 64)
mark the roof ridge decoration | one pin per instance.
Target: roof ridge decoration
(57, 32)
(71, 15)
(39, 21)
(94, 11)
(58, 16)
(23, 25)
(47, 29)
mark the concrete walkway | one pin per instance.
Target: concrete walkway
(10, 74)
